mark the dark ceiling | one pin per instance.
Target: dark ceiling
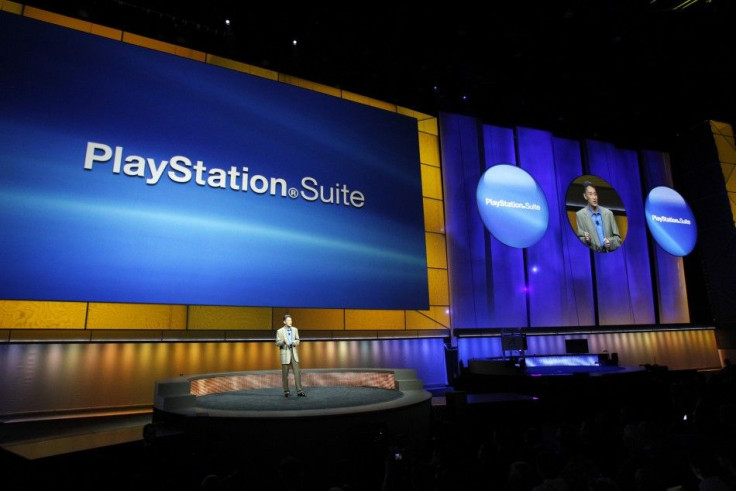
(633, 72)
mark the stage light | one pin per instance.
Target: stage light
(293, 42)
(227, 22)
(535, 269)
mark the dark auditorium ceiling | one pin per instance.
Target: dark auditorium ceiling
(633, 72)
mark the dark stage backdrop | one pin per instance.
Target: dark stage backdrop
(557, 281)
(132, 175)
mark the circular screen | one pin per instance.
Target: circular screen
(512, 205)
(671, 221)
(596, 213)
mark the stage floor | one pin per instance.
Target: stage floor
(318, 398)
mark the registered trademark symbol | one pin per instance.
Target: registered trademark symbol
(293, 193)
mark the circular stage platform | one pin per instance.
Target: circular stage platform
(330, 392)
(235, 413)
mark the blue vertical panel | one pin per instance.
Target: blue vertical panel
(670, 274)
(547, 293)
(461, 164)
(576, 258)
(506, 286)
(623, 277)
(613, 295)
(625, 177)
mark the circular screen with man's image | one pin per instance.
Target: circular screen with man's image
(596, 213)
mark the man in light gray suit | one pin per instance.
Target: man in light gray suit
(287, 339)
(596, 224)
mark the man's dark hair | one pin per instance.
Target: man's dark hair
(587, 184)
(286, 315)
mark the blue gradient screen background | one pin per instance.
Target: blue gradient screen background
(72, 234)
(671, 221)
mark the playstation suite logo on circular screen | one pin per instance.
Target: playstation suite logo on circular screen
(512, 205)
(671, 221)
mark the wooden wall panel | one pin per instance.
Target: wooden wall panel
(306, 84)
(436, 251)
(136, 316)
(209, 317)
(439, 292)
(21, 314)
(429, 150)
(434, 216)
(431, 182)
(374, 319)
(311, 319)
(368, 101)
(239, 66)
(434, 318)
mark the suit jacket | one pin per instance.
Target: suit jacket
(610, 229)
(282, 341)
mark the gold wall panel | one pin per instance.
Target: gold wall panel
(436, 251)
(22, 314)
(136, 316)
(720, 127)
(62, 20)
(12, 7)
(106, 32)
(431, 182)
(368, 101)
(311, 319)
(239, 66)
(434, 318)
(726, 147)
(419, 116)
(209, 317)
(729, 176)
(623, 226)
(57, 19)
(439, 291)
(724, 140)
(434, 216)
(154, 44)
(192, 54)
(374, 319)
(306, 84)
(428, 125)
(429, 149)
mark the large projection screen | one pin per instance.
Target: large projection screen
(131, 175)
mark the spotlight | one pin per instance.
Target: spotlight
(293, 43)
(227, 22)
